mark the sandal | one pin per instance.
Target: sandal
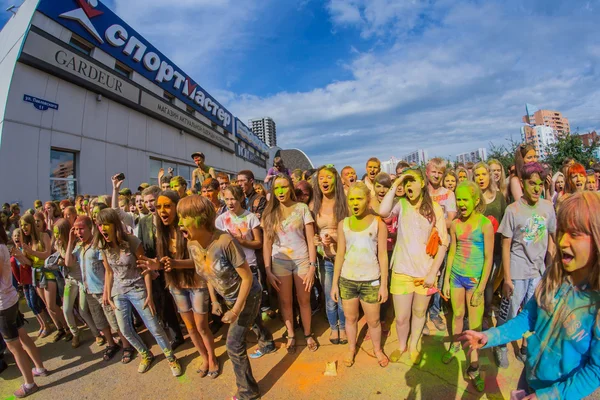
(24, 391)
(349, 360)
(213, 374)
(311, 346)
(110, 352)
(473, 373)
(127, 355)
(382, 362)
(334, 340)
(343, 340)
(291, 344)
(396, 355)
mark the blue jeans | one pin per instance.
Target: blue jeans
(335, 312)
(33, 300)
(436, 303)
(236, 342)
(125, 303)
(523, 292)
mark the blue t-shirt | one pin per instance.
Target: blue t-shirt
(92, 268)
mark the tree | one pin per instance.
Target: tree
(504, 153)
(571, 146)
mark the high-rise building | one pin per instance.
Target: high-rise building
(472, 156)
(418, 157)
(389, 166)
(265, 129)
(540, 136)
(550, 118)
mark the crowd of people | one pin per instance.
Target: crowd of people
(500, 252)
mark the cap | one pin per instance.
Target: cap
(199, 154)
(125, 192)
(143, 186)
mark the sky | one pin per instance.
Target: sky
(346, 80)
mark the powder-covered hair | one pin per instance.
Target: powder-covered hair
(340, 207)
(272, 216)
(573, 170)
(531, 168)
(426, 209)
(361, 187)
(437, 162)
(475, 191)
(373, 159)
(64, 228)
(200, 208)
(579, 213)
(179, 180)
(459, 170)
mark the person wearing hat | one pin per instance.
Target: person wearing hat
(202, 172)
(143, 186)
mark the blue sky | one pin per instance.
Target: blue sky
(349, 79)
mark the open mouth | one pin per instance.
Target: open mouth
(355, 210)
(325, 187)
(184, 232)
(164, 218)
(105, 235)
(481, 184)
(409, 192)
(463, 210)
(352, 179)
(567, 258)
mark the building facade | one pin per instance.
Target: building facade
(419, 157)
(472, 156)
(541, 136)
(87, 97)
(553, 119)
(265, 129)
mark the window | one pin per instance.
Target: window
(63, 178)
(168, 96)
(81, 45)
(178, 169)
(123, 70)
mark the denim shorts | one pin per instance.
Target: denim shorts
(463, 282)
(11, 320)
(367, 291)
(195, 299)
(281, 267)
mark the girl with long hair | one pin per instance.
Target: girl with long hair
(52, 213)
(126, 288)
(36, 249)
(494, 205)
(470, 264)
(73, 283)
(498, 176)
(189, 290)
(524, 154)
(361, 270)
(564, 314)
(330, 208)
(558, 180)
(450, 180)
(290, 255)
(461, 174)
(420, 249)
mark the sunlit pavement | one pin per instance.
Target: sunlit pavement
(81, 373)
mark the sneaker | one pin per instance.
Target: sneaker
(76, 340)
(25, 391)
(68, 336)
(438, 322)
(145, 363)
(501, 356)
(59, 335)
(175, 367)
(264, 351)
(100, 340)
(39, 372)
(450, 354)
(522, 354)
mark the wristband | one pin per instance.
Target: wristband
(234, 313)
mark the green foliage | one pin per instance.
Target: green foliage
(571, 146)
(504, 153)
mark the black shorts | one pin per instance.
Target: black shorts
(11, 320)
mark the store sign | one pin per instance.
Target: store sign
(96, 23)
(60, 57)
(247, 155)
(244, 133)
(40, 104)
(185, 121)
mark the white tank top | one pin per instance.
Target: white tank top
(360, 261)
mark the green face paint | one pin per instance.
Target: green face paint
(532, 188)
(56, 233)
(281, 189)
(465, 202)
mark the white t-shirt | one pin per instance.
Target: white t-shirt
(409, 255)
(290, 240)
(244, 223)
(8, 294)
(445, 198)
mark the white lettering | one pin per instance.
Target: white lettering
(207, 104)
(135, 44)
(165, 72)
(151, 61)
(116, 35)
(199, 99)
(215, 108)
(221, 114)
(193, 94)
(179, 77)
(227, 120)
